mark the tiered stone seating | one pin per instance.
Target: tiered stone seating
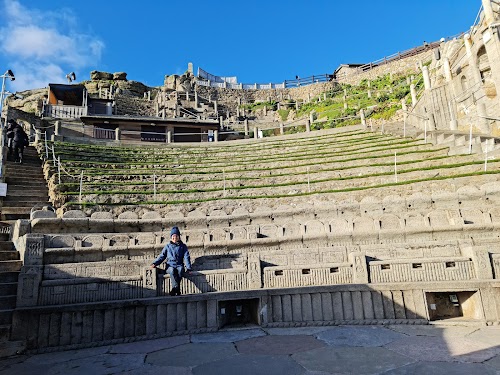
(344, 164)
(368, 249)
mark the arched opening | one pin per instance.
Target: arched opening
(463, 83)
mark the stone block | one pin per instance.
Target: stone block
(419, 201)
(74, 214)
(46, 225)
(370, 206)
(393, 204)
(43, 214)
(102, 215)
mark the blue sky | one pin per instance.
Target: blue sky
(257, 41)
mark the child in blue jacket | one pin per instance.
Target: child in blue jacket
(177, 255)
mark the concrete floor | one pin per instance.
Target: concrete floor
(402, 349)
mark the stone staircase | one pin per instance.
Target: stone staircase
(10, 266)
(26, 187)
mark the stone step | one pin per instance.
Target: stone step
(6, 245)
(8, 302)
(16, 213)
(27, 196)
(11, 348)
(4, 332)
(6, 316)
(9, 277)
(25, 203)
(10, 265)
(33, 185)
(8, 255)
(25, 181)
(8, 289)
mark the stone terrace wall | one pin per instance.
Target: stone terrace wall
(406, 66)
(229, 97)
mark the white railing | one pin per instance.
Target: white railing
(65, 111)
(241, 86)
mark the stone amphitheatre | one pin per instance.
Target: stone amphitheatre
(368, 196)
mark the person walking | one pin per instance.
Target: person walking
(177, 258)
(19, 140)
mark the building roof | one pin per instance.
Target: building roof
(69, 94)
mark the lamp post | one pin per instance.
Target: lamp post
(8, 74)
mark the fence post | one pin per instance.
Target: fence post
(46, 146)
(224, 180)
(245, 122)
(308, 181)
(216, 135)
(53, 156)
(59, 169)
(413, 95)
(282, 130)
(154, 187)
(395, 167)
(81, 188)
(362, 116)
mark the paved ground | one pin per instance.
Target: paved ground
(313, 350)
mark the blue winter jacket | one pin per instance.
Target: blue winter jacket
(176, 255)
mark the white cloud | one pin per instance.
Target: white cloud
(41, 47)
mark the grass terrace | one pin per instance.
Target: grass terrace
(325, 163)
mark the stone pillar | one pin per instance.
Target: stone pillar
(362, 116)
(282, 128)
(489, 16)
(149, 281)
(413, 95)
(453, 117)
(254, 273)
(256, 132)
(169, 136)
(190, 67)
(245, 123)
(324, 96)
(312, 117)
(308, 126)
(196, 99)
(484, 123)
(265, 110)
(491, 40)
(472, 60)
(237, 112)
(369, 93)
(404, 108)
(31, 273)
(309, 97)
(447, 69)
(296, 105)
(216, 135)
(359, 268)
(215, 107)
(57, 128)
(427, 79)
(117, 134)
(221, 122)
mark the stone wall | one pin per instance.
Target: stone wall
(405, 66)
(77, 326)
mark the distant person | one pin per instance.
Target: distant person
(19, 141)
(177, 258)
(10, 126)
